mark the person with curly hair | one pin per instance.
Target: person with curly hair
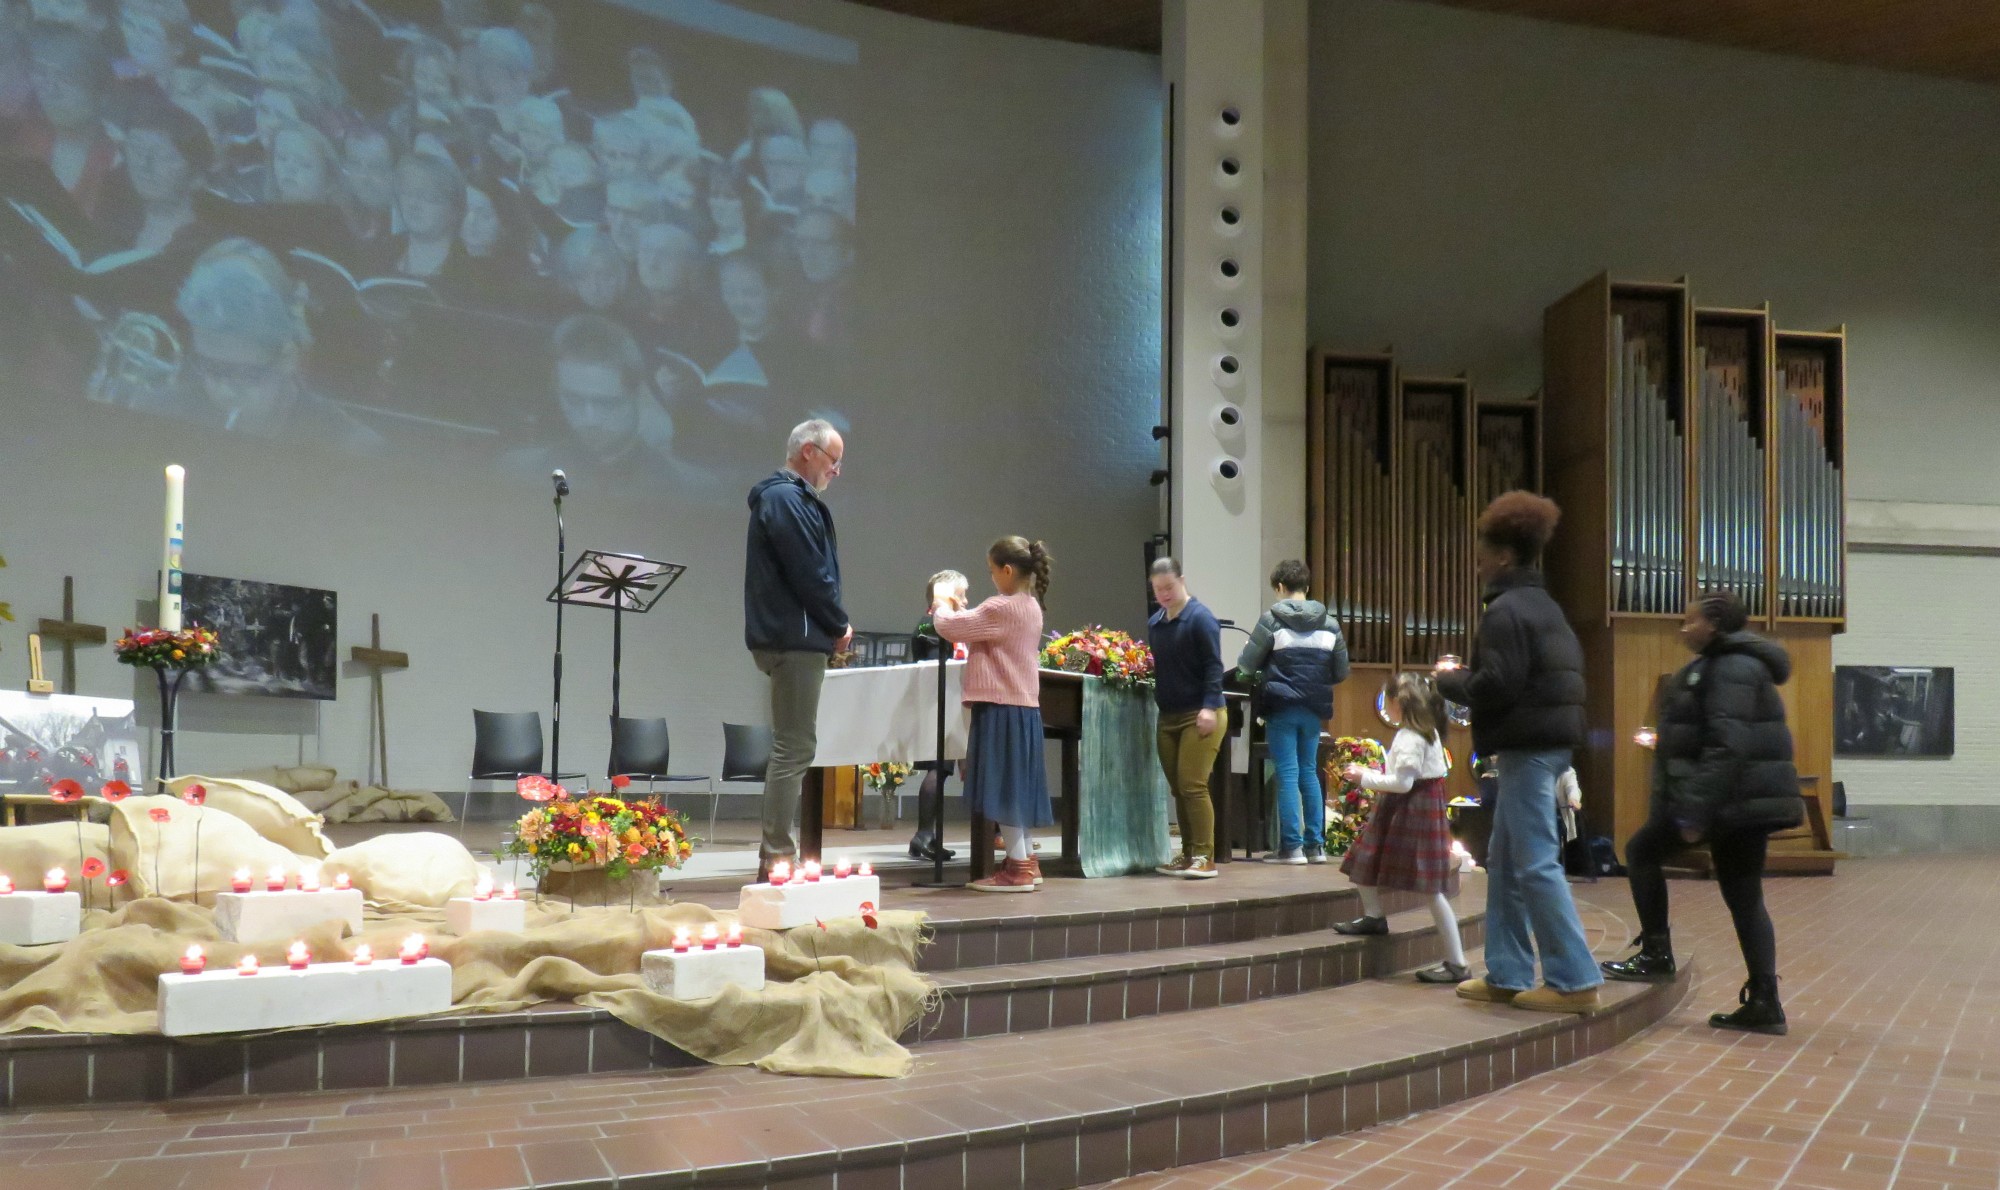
(1524, 684)
(1722, 774)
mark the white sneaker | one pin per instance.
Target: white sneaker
(1293, 857)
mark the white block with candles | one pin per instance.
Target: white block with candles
(800, 896)
(245, 998)
(36, 917)
(485, 910)
(696, 970)
(280, 906)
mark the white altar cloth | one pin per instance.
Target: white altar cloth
(888, 713)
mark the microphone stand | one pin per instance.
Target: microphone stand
(562, 568)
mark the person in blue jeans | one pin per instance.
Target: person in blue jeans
(1524, 684)
(1302, 656)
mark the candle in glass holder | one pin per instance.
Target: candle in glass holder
(483, 891)
(298, 956)
(509, 893)
(241, 881)
(842, 869)
(6, 885)
(56, 881)
(275, 880)
(680, 939)
(247, 965)
(1646, 737)
(309, 881)
(343, 882)
(363, 955)
(735, 935)
(781, 872)
(194, 961)
(812, 871)
(414, 948)
(867, 869)
(709, 936)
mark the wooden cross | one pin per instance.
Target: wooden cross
(377, 659)
(71, 634)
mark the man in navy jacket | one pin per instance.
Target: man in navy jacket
(792, 618)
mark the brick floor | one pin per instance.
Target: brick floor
(1890, 1077)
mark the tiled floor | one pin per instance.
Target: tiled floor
(1890, 1077)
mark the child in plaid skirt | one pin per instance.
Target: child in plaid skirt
(1406, 844)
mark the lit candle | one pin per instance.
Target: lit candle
(363, 955)
(343, 882)
(275, 881)
(812, 871)
(867, 869)
(309, 881)
(6, 884)
(194, 961)
(170, 561)
(509, 893)
(781, 872)
(709, 935)
(298, 956)
(241, 881)
(247, 965)
(56, 881)
(414, 948)
(735, 935)
(483, 891)
(680, 939)
(1646, 737)
(842, 869)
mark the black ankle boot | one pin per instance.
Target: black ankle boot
(1760, 1011)
(1653, 964)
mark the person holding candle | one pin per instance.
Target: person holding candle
(1004, 777)
(1187, 686)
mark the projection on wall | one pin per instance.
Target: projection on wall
(615, 238)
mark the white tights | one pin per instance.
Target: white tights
(1018, 844)
(1441, 915)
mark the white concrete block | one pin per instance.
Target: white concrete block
(223, 1001)
(783, 906)
(34, 918)
(278, 916)
(467, 915)
(697, 974)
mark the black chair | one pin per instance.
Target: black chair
(506, 746)
(640, 749)
(746, 755)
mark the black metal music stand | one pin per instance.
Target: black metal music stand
(621, 582)
(937, 879)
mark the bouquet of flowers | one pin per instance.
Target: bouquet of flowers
(157, 648)
(1114, 656)
(1348, 804)
(884, 778)
(594, 829)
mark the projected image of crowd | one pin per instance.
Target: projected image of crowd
(393, 226)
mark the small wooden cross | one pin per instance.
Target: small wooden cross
(71, 634)
(377, 659)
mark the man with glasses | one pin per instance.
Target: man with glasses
(793, 621)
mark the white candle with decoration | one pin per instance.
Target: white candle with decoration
(170, 562)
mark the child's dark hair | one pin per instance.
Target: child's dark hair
(1028, 558)
(1521, 523)
(1291, 575)
(1724, 609)
(1421, 705)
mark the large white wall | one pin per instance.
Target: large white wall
(1011, 190)
(1469, 169)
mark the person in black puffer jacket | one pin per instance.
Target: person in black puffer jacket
(1524, 683)
(1722, 773)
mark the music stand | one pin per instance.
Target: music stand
(937, 880)
(621, 582)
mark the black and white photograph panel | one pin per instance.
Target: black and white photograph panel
(1893, 710)
(275, 640)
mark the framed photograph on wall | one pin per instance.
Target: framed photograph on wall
(1893, 711)
(276, 640)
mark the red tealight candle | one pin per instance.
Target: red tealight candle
(867, 869)
(309, 881)
(275, 882)
(343, 881)
(414, 948)
(842, 869)
(709, 935)
(735, 935)
(194, 962)
(363, 955)
(241, 881)
(6, 885)
(56, 881)
(298, 956)
(781, 872)
(680, 939)
(812, 871)
(509, 893)
(247, 965)
(483, 891)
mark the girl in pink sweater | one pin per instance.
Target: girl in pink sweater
(1004, 778)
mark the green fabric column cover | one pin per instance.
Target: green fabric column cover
(1122, 817)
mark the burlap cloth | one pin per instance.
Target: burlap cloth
(835, 1000)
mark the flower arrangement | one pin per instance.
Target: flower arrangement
(157, 648)
(1348, 804)
(884, 778)
(620, 836)
(1112, 655)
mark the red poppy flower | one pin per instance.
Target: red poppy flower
(115, 791)
(620, 781)
(868, 914)
(93, 868)
(65, 791)
(159, 814)
(536, 788)
(195, 795)
(118, 876)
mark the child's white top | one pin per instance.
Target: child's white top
(1412, 758)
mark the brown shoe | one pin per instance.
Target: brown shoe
(1013, 877)
(1175, 867)
(1200, 868)
(1547, 999)
(1479, 989)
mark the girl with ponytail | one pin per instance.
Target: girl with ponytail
(1004, 779)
